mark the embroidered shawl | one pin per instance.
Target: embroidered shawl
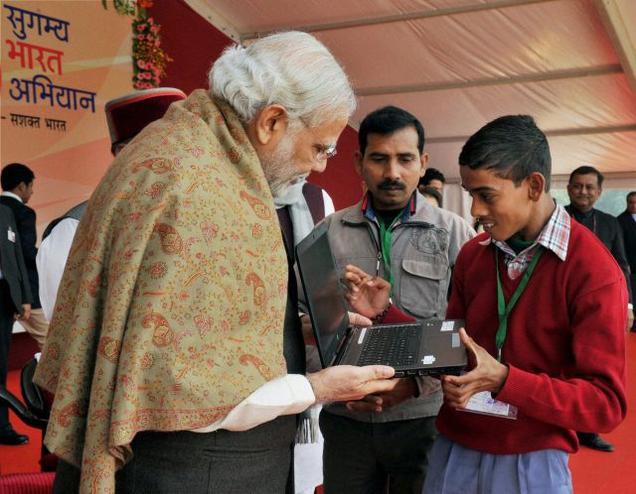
(171, 307)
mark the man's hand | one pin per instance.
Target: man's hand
(347, 382)
(487, 375)
(630, 319)
(355, 319)
(26, 313)
(404, 389)
(367, 295)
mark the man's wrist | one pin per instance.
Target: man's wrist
(314, 382)
(380, 317)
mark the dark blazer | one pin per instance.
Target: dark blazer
(628, 225)
(12, 264)
(25, 222)
(607, 229)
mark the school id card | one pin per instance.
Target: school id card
(483, 403)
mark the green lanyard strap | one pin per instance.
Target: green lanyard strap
(385, 242)
(503, 310)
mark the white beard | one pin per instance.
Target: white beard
(279, 168)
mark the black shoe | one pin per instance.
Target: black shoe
(596, 442)
(12, 438)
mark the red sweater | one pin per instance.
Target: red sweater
(565, 346)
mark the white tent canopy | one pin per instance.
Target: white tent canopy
(457, 64)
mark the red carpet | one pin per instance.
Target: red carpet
(19, 459)
(594, 472)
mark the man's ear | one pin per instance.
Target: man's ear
(424, 163)
(270, 124)
(536, 185)
(357, 162)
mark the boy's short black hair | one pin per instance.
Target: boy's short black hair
(387, 120)
(513, 146)
(630, 195)
(431, 174)
(587, 170)
(14, 174)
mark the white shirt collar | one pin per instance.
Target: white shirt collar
(11, 194)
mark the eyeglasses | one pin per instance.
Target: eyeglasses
(321, 151)
(325, 151)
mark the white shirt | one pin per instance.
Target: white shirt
(50, 261)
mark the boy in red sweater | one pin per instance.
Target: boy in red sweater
(543, 301)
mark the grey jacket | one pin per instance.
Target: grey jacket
(423, 252)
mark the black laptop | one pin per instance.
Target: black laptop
(421, 348)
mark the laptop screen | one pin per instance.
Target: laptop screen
(323, 293)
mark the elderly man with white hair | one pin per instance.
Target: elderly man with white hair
(171, 363)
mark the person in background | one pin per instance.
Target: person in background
(432, 196)
(169, 356)
(15, 297)
(432, 178)
(393, 233)
(126, 117)
(545, 327)
(627, 221)
(585, 187)
(17, 188)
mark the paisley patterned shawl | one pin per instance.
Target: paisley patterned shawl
(171, 307)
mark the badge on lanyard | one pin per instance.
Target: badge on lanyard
(11, 235)
(483, 403)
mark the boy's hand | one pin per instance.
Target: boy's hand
(488, 374)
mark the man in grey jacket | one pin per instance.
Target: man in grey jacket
(394, 233)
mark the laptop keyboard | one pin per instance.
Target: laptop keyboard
(396, 346)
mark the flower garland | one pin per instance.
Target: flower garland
(149, 60)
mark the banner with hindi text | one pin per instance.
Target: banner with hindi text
(61, 61)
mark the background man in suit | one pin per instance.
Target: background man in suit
(15, 298)
(584, 189)
(17, 188)
(627, 221)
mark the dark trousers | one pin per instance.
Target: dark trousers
(375, 458)
(7, 313)
(221, 462)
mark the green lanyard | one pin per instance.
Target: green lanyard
(503, 310)
(385, 241)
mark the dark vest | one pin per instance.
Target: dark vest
(293, 343)
(75, 213)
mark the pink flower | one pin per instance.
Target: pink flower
(141, 64)
(141, 27)
(140, 37)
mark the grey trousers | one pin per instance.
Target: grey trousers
(222, 462)
(375, 458)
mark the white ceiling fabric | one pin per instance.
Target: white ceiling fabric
(456, 64)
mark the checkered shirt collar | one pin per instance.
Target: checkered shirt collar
(555, 236)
